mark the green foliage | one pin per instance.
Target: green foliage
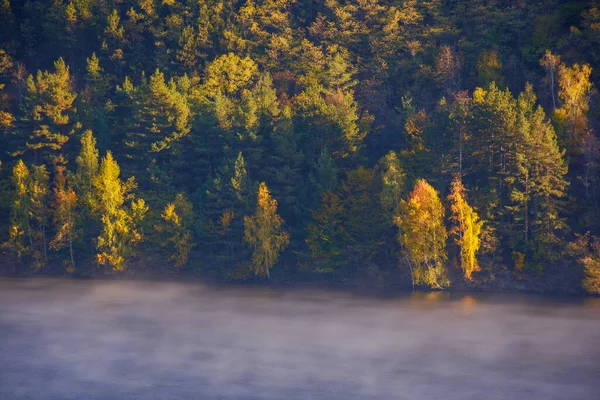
(339, 105)
(178, 219)
(46, 122)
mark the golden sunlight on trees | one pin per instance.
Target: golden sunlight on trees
(264, 233)
(47, 111)
(466, 228)
(423, 236)
(120, 224)
(586, 251)
(574, 93)
(178, 217)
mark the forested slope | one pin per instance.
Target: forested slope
(420, 142)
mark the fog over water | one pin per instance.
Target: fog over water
(66, 339)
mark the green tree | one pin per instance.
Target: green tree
(392, 186)
(327, 237)
(176, 228)
(64, 216)
(39, 192)
(46, 124)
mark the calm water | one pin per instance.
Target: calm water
(63, 339)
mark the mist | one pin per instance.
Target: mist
(63, 339)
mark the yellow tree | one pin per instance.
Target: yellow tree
(466, 228)
(120, 224)
(574, 91)
(264, 233)
(178, 217)
(20, 226)
(423, 236)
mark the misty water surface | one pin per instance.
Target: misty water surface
(62, 339)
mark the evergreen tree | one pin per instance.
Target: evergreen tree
(46, 124)
(327, 237)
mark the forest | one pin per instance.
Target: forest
(421, 143)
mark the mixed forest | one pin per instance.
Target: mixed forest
(430, 143)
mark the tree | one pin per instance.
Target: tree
(359, 194)
(574, 91)
(327, 236)
(264, 233)
(48, 108)
(120, 224)
(6, 118)
(585, 249)
(178, 217)
(536, 182)
(466, 229)
(551, 63)
(392, 179)
(161, 119)
(39, 191)
(87, 170)
(64, 216)
(489, 68)
(20, 226)
(95, 104)
(423, 235)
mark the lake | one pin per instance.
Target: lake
(76, 339)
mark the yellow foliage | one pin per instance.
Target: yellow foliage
(574, 91)
(423, 235)
(519, 263)
(466, 229)
(263, 231)
(120, 225)
(178, 217)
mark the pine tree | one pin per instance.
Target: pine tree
(264, 233)
(39, 192)
(359, 194)
(327, 237)
(95, 104)
(46, 125)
